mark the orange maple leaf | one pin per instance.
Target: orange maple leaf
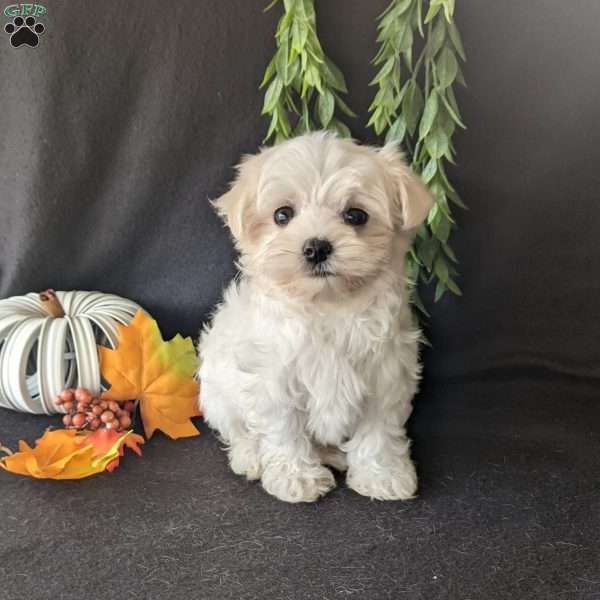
(68, 454)
(104, 439)
(157, 373)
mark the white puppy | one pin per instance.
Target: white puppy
(312, 359)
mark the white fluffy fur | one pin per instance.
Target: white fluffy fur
(300, 372)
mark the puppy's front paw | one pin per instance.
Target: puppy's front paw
(395, 482)
(304, 484)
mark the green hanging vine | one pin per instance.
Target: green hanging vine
(304, 86)
(415, 105)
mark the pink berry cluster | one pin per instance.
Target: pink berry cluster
(84, 411)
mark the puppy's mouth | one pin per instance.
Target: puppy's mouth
(321, 271)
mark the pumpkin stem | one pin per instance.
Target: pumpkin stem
(51, 304)
(6, 450)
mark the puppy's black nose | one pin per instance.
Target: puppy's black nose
(316, 251)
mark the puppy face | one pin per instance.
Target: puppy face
(319, 216)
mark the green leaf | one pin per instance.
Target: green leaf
(436, 188)
(389, 7)
(455, 198)
(413, 259)
(306, 115)
(315, 50)
(325, 108)
(272, 127)
(442, 228)
(397, 131)
(334, 76)
(446, 68)
(420, 16)
(303, 61)
(442, 202)
(426, 251)
(384, 97)
(284, 123)
(285, 21)
(312, 78)
(299, 35)
(416, 300)
(429, 171)
(382, 54)
(343, 106)
(440, 268)
(282, 60)
(429, 114)
(341, 129)
(449, 253)
(433, 213)
(385, 30)
(384, 71)
(269, 72)
(456, 40)
(376, 119)
(412, 104)
(453, 287)
(434, 8)
(292, 72)
(404, 41)
(308, 8)
(300, 128)
(270, 5)
(447, 184)
(407, 56)
(452, 100)
(272, 95)
(453, 272)
(290, 101)
(440, 290)
(436, 142)
(436, 40)
(449, 9)
(426, 276)
(449, 154)
(445, 122)
(453, 114)
(400, 94)
(422, 232)
(400, 7)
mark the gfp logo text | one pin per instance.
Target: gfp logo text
(24, 10)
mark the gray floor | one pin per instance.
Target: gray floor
(509, 507)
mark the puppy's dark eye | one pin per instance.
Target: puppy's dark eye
(283, 215)
(355, 217)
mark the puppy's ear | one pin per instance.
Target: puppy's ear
(410, 195)
(236, 205)
(230, 207)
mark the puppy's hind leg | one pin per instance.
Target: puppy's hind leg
(244, 458)
(223, 415)
(333, 457)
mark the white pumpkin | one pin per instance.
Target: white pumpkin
(40, 355)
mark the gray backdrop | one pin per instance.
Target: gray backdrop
(116, 130)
